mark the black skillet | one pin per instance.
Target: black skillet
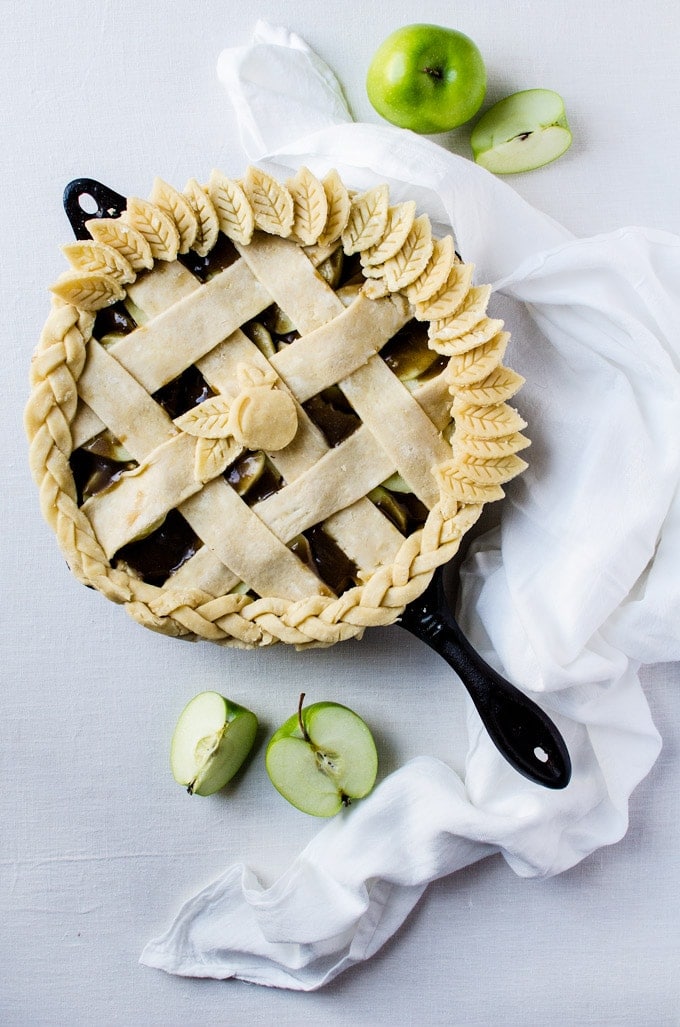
(520, 730)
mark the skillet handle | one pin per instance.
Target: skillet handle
(519, 729)
(109, 204)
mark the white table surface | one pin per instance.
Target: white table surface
(99, 846)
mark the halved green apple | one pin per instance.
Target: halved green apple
(212, 738)
(321, 758)
(522, 132)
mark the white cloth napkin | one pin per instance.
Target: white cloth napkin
(574, 590)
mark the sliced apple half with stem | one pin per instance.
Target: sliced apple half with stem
(210, 743)
(522, 132)
(322, 758)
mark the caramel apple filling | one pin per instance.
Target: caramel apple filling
(102, 461)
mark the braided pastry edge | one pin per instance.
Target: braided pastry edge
(484, 446)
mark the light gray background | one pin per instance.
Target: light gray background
(98, 844)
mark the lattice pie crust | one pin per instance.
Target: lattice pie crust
(442, 432)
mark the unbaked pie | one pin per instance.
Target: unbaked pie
(268, 412)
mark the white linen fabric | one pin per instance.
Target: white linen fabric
(568, 596)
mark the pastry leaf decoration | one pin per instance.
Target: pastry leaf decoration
(271, 202)
(484, 331)
(436, 273)
(88, 291)
(471, 367)
(456, 488)
(206, 217)
(216, 446)
(374, 272)
(233, 210)
(466, 317)
(449, 296)
(487, 422)
(492, 472)
(367, 220)
(130, 243)
(409, 263)
(339, 206)
(177, 207)
(157, 228)
(99, 259)
(400, 220)
(499, 385)
(310, 206)
(212, 456)
(490, 449)
(208, 420)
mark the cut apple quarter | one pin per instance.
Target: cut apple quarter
(322, 758)
(522, 132)
(210, 743)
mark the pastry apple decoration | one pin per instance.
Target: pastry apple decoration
(261, 416)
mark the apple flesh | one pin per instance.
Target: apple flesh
(522, 132)
(426, 78)
(212, 738)
(321, 758)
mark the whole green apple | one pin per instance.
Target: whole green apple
(427, 78)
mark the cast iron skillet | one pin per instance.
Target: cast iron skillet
(520, 730)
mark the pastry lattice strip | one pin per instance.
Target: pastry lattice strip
(376, 394)
(108, 516)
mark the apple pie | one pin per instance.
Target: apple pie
(266, 412)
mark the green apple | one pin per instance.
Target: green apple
(212, 738)
(321, 758)
(427, 78)
(522, 132)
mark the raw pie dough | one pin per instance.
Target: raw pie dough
(442, 431)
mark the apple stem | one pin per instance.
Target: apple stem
(434, 72)
(303, 729)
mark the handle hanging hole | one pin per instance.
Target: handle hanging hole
(85, 198)
(88, 204)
